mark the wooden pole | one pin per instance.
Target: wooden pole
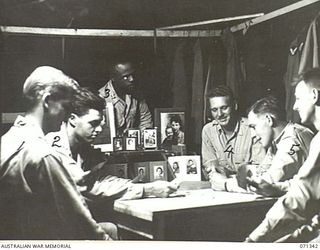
(220, 20)
(272, 14)
(63, 32)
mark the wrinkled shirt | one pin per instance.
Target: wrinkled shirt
(38, 198)
(129, 113)
(217, 149)
(298, 205)
(105, 185)
(287, 153)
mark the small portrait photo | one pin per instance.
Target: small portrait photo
(134, 133)
(186, 167)
(158, 172)
(141, 174)
(191, 167)
(150, 138)
(117, 143)
(175, 167)
(130, 143)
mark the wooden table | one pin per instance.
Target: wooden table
(201, 215)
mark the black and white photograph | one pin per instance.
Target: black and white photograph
(103, 140)
(150, 138)
(171, 122)
(118, 144)
(147, 121)
(186, 167)
(135, 133)
(130, 143)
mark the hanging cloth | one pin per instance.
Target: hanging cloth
(179, 84)
(290, 76)
(303, 55)
(234, 77)
(310, 54)
(197, 94)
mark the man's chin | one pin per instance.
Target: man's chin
(223, 123)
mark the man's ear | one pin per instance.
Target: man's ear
(235, 105)
(270, 120)
(316, 96)
(45, 99)
(72, 119)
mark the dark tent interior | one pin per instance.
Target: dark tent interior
(263, 48)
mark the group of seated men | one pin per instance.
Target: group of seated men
(50, 174)
(267, 155)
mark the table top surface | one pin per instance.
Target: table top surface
(183, 199)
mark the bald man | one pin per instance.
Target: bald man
(131, 110)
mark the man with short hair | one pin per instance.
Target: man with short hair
(74, 141)
(226, 141)
(38, 198)
(131, 110)
(287, 146)
(301, 203)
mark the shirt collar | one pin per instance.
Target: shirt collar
(34, 130)
(112, 93)
(237, 130)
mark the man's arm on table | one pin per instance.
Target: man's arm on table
(295, 208)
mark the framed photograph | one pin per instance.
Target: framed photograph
(104, 139)
(130, 143)
(150, 138)
(171, 124)
(158, 171)
(141, 172)
(186, 167)
(134, 133)
(118, 144)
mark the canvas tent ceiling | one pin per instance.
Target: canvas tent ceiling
(128, 14)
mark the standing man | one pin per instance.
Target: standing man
(131, 110)
(287, 146)
(301, 202)
(226, 141)
(38, 198)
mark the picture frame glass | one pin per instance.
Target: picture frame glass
(150, 138)
(104, 141)
(186, 167)
(134, 133)
(131, 143)
(117, 143)
(171, 123)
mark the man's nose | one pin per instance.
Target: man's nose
(130, 78)
(294, 106)
(99, 128)
(219, 111)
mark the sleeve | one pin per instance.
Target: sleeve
(145, 116)
(56, 183)
(114, 187)
(295, 208)
(286, 162)
(208, 152)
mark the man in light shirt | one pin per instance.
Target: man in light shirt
(131, 109)
(39, 199)
(295, 213)
(87, 165)
(287, 146)
(227, 142)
